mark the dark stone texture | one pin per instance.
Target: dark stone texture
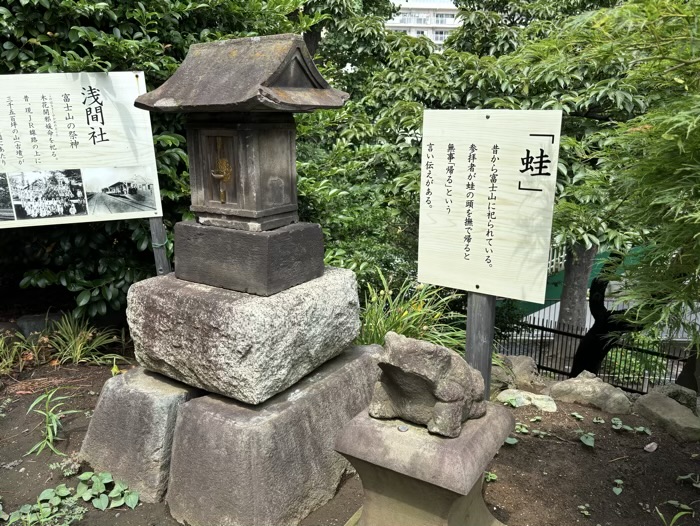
(38, 323)
(131, 431)
(8, 331)
(272, 464)
(262, 263)
(427, 384)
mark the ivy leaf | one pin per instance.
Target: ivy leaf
(101, 502)
(131, 498)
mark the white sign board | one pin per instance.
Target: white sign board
(73, 148)
(488, 180)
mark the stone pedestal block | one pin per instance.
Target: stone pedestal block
(238, 345)
(270, 465)
(413, 478)
(131, 432)
(261, 263)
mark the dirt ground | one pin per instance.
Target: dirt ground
(540, 481)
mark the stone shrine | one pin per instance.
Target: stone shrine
(233, 415)
(411, 473)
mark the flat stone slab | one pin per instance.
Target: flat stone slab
(518, 398)
(588, 389)
(273, 464)
(131, 431)
(239, 345)
(679, 421)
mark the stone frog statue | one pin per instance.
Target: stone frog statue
(427, 384)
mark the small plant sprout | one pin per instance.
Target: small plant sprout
(95, 487)
(617, 425)
(511, 441)
(617, 488)
(539, 433)
(585, 510)
(521, 429)
(490, 477)
(49, 406)
(588, 439)
(536, 419)
(684, 510)
(598, 420)
(577, 416)
(512, 402)
(679, 505)
(690, 478)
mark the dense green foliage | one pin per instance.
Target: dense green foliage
(98, 262)
(624, 73)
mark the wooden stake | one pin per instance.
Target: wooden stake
(158, 240)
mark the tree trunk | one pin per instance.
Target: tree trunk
(690, 375)
(573, 306)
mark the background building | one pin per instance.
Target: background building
(434, 19)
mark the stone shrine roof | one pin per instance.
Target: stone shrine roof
(271, 73)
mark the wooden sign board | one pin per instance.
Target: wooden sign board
(488, 180)
(73, 149)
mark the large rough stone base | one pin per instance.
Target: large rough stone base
(412, 478)
(271, 465)
(130, 434)
(241, 346)
(261, 263)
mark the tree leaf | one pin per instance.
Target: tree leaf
(82, 299)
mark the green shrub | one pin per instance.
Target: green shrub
(75, 341)
(413, 310)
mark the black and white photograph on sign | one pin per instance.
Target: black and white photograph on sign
(51, 193)
(119, 190)
(6, 213)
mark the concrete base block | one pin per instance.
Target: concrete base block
(413, 478)
(261, 263)
(130, 434)
(270, 465)
(238, 345)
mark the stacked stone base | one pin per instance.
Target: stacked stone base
(223, 462)
(271, 465)
(131, 430)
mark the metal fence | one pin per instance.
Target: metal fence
(632, 368)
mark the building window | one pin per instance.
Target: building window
(444, 18)
(415, 18)
(420, 33)
(440, 36)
